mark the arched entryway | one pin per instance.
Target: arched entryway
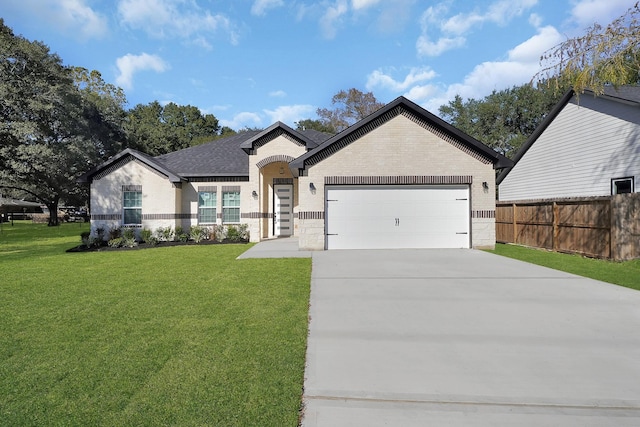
(278, 198)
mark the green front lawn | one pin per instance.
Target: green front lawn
(620, 273)
(183, 335)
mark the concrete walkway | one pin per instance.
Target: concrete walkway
(284, 247)
(466, 338)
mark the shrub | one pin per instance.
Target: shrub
(153, 240)
(85, 237)
(179, 233)
(183, 237)
(128, 233)
(199, 233)
(115, 232)
(100, 234)
(115, 243)
(219, 232)
(164, 234)
(243, 230)
(145, 235)
(233, 235)
(129, 242)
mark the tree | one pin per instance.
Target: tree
(349, 107)
(46, 125)
(609, 55)
(318, 125)
(504, 119)
(157, 130)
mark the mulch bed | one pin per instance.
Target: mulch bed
(106, 248)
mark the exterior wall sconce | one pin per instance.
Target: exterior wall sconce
(281, 170)
(485, 185)
(254, 194)
(312, 187)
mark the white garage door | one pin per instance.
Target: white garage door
(379, 217)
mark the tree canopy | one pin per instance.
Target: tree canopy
(157, 129)
(52, 128)
(504, 119)
(348, 107)
(603, 55)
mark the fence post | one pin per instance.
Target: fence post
(556, 229)
(515, 224)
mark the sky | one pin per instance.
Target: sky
(252, 63)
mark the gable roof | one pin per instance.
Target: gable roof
(629, 95)
(308, 138)
(398, 106)
(221, 157)
(124, 157)
(225, 157)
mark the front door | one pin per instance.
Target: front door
(282, 210)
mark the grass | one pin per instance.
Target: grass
(181, 335)
(620, 273)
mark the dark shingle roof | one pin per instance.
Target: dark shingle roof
(222, 157)
(627, 93)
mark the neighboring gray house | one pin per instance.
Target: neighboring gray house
(586, 146)
(400, 177)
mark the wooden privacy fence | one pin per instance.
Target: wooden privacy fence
(601, 227)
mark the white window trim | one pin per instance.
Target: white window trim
(226, 208)
(131, 208)
(631, 180)
(215, 208)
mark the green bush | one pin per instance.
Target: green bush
(183, 237)
(115, 243)
(199, 233)
(164, 234)
(145, 235)
(153, 240)
(179, 233)
(115, 232)
(85, 237)
(100, 234)
(129, 233)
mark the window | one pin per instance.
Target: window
(231, 206)
(622, 185)
(132, 207)
(207, 201)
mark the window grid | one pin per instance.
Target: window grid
(132, 208)
(207, 203)
(231, 207)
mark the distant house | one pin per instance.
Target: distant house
(399, 178)
(587, 146)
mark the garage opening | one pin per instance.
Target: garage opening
(397, 216)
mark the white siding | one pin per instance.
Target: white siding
(579, 153)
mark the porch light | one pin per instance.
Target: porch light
(254, 194)
(312, 187)
(281, 170)
(485, 185)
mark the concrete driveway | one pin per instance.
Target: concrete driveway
(467, 338)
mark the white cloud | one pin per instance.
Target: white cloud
(165, 18)
(378, 79)
(426, 47)
(242, 120)
(130, 64)
(260, 7)
(521, 64)
(535, 20)
(71, 17)
(332, 17)
(586, 12)
(453, 30)
(290, 114)
(363, 4)
(278, 94)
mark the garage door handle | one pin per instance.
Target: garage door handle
(461, 232)
(397, 222)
